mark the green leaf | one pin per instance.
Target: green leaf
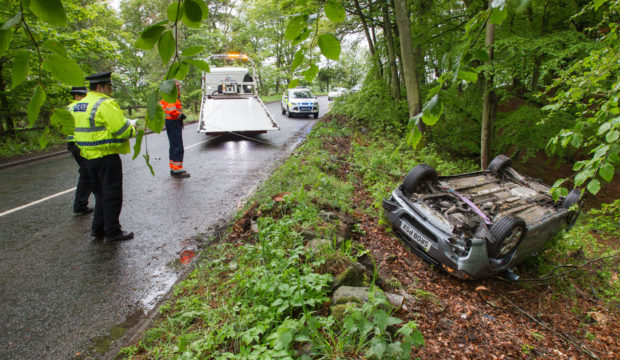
(432, 111)
(200, 64)
(606, 172)
(578, 165)
(55, 47)
(168, 90)
(498, 15)
(193, 50)
(192, 14)
(6, 36)
(50, 11)
(580, 179)
(63, 121)
(598, 3)
(330, 46)
(414, 137)
(594, 186)
(155, 115)
(45, 138)
(175, 11)
(137, 146)
(334, 11)
(468, 74)
(310, 73)
(612, 136)
(293, 83)
(166, 46)
(20, 67)
(183, 71)
(150, 35)
(600, 152)
(481, 55)
(16, 19)
(295, 27)
(147, 159)
(34, 106)
(172, 71)
(298, 59)
(64, 69)
(577, 140)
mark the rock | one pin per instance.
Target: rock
(318, 244)
(338, 311)
(446, 323)
(396, 300)
(352, 276)
(327, 215)
(342, 230)
(308, 234)
(350, 294)
(254, 226)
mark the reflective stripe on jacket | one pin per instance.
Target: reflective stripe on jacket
(173, 111)
(100, 126)
(70, 137)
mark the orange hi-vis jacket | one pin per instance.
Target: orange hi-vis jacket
(173, 111)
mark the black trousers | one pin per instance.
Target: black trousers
(84, 185)
(107, 178)
(174, 129)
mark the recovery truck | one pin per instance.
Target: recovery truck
(230, 101)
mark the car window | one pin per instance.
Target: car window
(302, 94)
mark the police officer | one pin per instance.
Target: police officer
(102, 133)
(174, 130)
(84, 187)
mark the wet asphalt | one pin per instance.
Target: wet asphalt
(64, 295)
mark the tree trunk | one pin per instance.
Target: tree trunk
(392, 58)
(371, 46)
(408, 59)
(488, 101)
(7, 128)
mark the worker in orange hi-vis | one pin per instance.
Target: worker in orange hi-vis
(174, 129)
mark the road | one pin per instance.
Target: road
(64, 295)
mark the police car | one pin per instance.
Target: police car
(299, 101)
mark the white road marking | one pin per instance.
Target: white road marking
(66, 191)
(36, 202)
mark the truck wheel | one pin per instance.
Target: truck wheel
(417, 179)
(316, 115)
(507, 234)
(498, 164)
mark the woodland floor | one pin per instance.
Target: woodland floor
(492, 318)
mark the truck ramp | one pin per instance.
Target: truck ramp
(235, 115)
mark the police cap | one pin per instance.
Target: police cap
(100, 78)
(78, 90)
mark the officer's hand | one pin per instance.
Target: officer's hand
(183, 117)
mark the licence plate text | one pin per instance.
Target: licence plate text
(415, 235)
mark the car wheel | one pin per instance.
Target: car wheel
(507, 234)
(499, 163)
(282, 108)
(316, 115)
(288, 112)
(571, 199)
(418, 179)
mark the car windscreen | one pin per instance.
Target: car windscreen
(302, 94)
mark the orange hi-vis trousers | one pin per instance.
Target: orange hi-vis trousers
(176, 165)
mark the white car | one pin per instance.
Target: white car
(337, 91)
(299, 101)
(356, 88)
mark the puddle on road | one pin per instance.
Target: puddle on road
(103, 344)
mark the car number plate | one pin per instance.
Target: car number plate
(415, 235)
(305, 108)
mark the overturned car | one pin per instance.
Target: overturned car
(477, 224)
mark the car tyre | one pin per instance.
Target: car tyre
(316, 115)
(418, 178)
(499, 163)
(571, 199)
(288, 112)
(507, 235)
(282, 109)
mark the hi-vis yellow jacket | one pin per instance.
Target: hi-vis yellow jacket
(100, 126)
